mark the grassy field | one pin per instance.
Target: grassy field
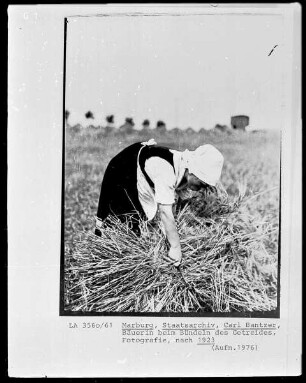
(229, 241)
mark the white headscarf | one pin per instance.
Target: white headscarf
(205, 162)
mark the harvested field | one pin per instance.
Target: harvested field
(229, 240)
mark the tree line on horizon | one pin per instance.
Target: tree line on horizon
(237, 122)
(127, 126)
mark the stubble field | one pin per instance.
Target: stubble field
(229, 240)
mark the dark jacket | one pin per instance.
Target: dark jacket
(119, 194)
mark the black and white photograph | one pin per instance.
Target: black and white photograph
(172, 163)
(154, 190)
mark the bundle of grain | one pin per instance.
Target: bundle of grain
(221, 269)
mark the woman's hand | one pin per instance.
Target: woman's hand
(176, 255)
(167, 218)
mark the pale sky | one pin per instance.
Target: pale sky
(186, 70)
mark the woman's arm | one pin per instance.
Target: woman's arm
(167, 218)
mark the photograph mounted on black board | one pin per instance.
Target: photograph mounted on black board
(171, 165)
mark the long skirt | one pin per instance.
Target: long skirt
(119, 194)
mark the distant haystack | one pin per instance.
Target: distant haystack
(128, 126)
(175, 131)
(161, 126)
(221, 128)
(189, 130)
(202, 131)
(240, 122)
